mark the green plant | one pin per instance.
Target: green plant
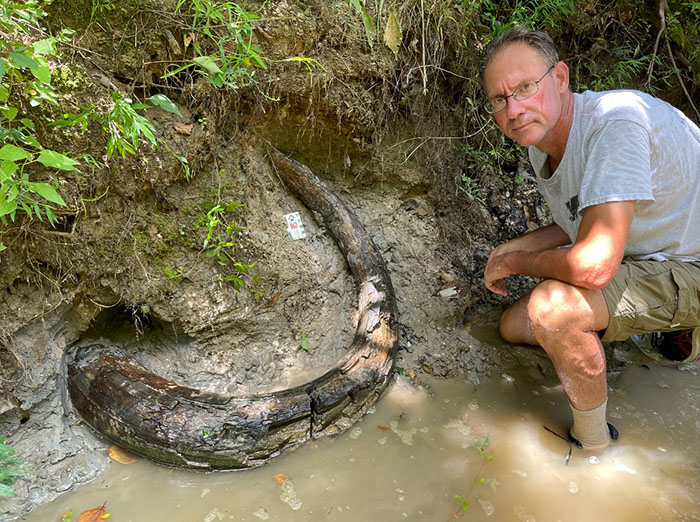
(470, 188)
(491, 18)
(24, 71)
(219, 242)
(481, 443)
(367, 21)
(175, 274)
(625, 71)
(25, 75)
(11, 468)
(229, 27)
(304, 341)
(463, 504)
(126, 129)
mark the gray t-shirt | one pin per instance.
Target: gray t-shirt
(628, 145)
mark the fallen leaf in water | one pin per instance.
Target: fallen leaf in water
(280, 478)
(94, 515)
(121, 456)
(411, 374)
(662, 384)
(384, 428)
(274, 298)
(183, 128)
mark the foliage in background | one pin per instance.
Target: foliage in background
(26, 75)
(229, 28)
(25, 71)
(125, 128)
(11, 469)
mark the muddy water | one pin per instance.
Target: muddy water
(424, 445)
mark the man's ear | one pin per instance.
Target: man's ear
(561, 76)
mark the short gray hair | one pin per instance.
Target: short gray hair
(539, 41)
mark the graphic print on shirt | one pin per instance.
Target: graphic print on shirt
(572, 205)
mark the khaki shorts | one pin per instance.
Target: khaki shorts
(653, 296)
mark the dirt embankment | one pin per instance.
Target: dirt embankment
(138, 259)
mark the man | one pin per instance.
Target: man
(620, 171)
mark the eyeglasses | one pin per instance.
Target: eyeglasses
(525, 91)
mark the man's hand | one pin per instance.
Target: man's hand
(497, 269)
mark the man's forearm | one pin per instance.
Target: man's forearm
(543, 238)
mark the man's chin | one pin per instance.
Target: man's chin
(525, 136)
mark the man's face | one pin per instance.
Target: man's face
(530, 121)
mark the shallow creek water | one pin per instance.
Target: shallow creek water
(424, 445)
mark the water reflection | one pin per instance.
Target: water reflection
(428, 449)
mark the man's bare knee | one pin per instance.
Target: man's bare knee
(514, 324)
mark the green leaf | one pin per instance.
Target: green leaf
(13, 153)
(2, 67)
(304, 341)
(462, 503)
(217, 80)
(51, 216)
(4, 93)
(369, 27)
(43, 74)
(46, 46)
(23, 60)
(162, 101)
(6, 491)
(6, 451)
(7, 169)
(46, 191)
(255, 58)
(50, 158)
(31, 140)
(7, 207)
(9, 113)
(206, 62)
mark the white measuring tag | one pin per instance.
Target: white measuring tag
(295, 228)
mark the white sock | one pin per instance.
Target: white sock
(591, 426)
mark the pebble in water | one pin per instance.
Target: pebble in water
(474, 405)
(355, 433)
(521, 514)
(594, 460)
(262, 514)
(214, 514)
(487, 506)
(406, 436)
(573, 487)
(460, 425)
(289, 496)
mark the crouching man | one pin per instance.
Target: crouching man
(620, 171)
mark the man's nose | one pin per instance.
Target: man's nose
(514, 107)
